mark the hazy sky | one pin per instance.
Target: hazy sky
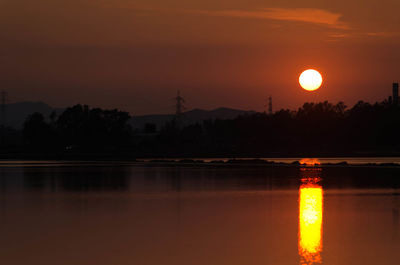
(134, 55)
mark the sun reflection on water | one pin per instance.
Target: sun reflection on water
(310, 217)
(310, 162)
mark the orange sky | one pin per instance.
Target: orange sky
(134, 55)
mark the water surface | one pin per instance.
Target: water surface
(122, 213)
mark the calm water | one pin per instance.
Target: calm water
(323, 160)
(110, 213)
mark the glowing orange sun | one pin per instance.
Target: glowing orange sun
(310, 80)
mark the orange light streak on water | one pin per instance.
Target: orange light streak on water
(310, 161)
(310, 223)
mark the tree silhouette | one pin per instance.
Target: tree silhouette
(95, 128)
(314, 129)
(79, 127)
(37, 133)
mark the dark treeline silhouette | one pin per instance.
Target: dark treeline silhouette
(78, 127)
(314, 129)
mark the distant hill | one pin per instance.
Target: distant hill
(189, 117)
(16, 113)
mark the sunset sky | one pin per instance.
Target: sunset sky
(134, 55)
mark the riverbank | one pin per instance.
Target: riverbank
(388, 162)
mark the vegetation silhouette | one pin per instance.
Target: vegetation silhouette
(314, 129)
(79, 127)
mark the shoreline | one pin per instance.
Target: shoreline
(251, 162)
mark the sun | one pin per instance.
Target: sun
(310, 80)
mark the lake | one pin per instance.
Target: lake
(149, 214)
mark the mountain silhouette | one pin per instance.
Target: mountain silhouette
(16, 113)
(19, 111)
(188, 117)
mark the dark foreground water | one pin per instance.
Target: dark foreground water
(110, 213)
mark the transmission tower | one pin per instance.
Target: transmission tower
(3, 109)
(269, 105)
(3, 102)
(179, 107)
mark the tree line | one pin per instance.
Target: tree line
(314, 129)
(78, 127)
